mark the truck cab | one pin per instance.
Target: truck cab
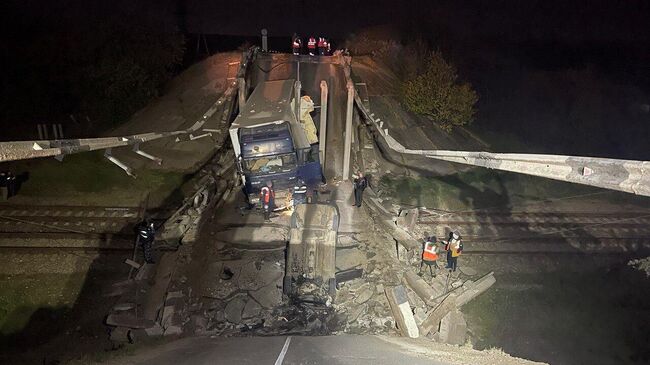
(270, 143)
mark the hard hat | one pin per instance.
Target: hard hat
(269, 183)
(456, 235)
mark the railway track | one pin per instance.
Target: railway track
(530, 233)
(71, 228)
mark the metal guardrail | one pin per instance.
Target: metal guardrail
(623, 175)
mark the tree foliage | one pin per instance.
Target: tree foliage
(437, 94)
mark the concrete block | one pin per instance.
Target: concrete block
(268, 296)
(251, 310)
(399, 305)
(234, 309)
(155, 330)
(173, 330)
(453, 328)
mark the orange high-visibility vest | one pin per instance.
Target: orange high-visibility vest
(430, 251)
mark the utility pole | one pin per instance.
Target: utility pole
(265, 41)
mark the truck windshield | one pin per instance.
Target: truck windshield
(270, 164)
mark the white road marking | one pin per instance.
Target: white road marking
(283, 352)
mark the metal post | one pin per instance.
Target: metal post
(119, 163)
(40, 131)
(242, 93)
(348, 133)
(56, 132)
(297, 86)
(60, 131)
(323, 123)
(265, 41)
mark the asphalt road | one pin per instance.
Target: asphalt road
(342, 349)
(310, 71)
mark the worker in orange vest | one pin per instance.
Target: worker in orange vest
(454, 249)
(311, 45)
(267, 198)
(430, 256)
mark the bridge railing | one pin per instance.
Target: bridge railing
(623, 175)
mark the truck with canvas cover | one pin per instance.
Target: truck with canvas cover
(270, 143)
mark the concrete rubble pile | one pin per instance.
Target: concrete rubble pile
(149, 304)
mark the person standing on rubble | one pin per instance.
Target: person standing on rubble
(360, 184)
(430, 256)
(146, 235)
(296, 44)
(4, 188)
(454, 249)
(267, 198)
(311, 46)
(321, 46)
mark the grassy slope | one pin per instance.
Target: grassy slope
(88, 178)
(22, 295)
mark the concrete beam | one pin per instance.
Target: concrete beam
(474, 289)
(347, 148)
(420, 287)
(402, 313)
(322, 138)
(435, 315)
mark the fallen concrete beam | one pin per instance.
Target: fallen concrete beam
(472, 289)
(420, 287)
(436, 314)
(399, 305)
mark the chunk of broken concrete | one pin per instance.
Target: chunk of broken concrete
(252, 309)
(364, 295)
(234, 308)
(268, 296)
(453, 328)
(349, 259)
